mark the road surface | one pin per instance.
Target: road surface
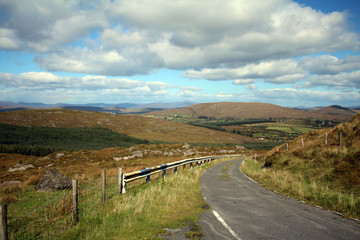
(242, 209)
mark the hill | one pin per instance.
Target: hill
(132, 125)
(235, 110)
(319, 172)
(336, 110)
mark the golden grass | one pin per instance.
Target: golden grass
(132, 125)
(144, 211)
(317, 192)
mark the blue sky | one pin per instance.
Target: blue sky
(290, 53)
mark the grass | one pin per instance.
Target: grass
(145, 210)
(131, 125)
(313, 183)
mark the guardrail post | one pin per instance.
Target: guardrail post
(147, 178)
(103, 185)
(287, 147)
(191, 166)
(3, 221)
(120, 180)
(175, 170)
(163, 173)
(75, 209)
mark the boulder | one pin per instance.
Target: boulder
(53, 180)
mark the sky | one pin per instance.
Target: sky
(284, 52)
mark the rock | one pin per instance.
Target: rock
(186, 146)
(138, 154)
(53, 180)
(19, 167)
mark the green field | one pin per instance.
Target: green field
(269, 132)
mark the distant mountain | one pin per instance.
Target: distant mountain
(101, 105)
(236, 110)
(336, 110)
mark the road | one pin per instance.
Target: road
(242, 209)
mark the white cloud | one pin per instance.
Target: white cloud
(341, 80)
(8, 40)
(295, 97)
(137, 36)
(279, 71)
(129, 61)
(327, 64)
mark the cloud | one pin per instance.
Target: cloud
(45, 80)
(330, 65)
(132, 37)
(344, 80)
(295, 97)
(278, 71)
(127, 62)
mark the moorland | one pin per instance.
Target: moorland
(81, 143)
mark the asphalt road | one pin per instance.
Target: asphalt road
(242, 209)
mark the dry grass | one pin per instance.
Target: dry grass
(132, 125)
(144, 211)
(325, 175)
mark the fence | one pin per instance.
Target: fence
(65, 208)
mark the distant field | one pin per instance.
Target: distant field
(268, 132)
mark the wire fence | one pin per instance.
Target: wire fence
(46, 221)
(50, 214)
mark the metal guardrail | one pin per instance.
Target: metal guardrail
(147, 172)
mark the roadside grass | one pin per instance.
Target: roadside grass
(313, 183)
(145, 210)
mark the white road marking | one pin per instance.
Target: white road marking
(225, 225)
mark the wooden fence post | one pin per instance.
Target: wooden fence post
(326, 135)
(3, 221)
(103, 185)
(75, 210)
(302, 143)
(339, 139)
(119, 180)
(123, 184)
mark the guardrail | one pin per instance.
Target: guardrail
(146, 173)
(122, 180)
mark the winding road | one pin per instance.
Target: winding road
(242, 209)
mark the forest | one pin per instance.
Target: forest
(41, 141)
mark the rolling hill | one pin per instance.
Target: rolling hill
(132, 125)
(235, 110)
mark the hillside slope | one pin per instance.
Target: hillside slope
(320, 173)
(132, 125)
(236, 110)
